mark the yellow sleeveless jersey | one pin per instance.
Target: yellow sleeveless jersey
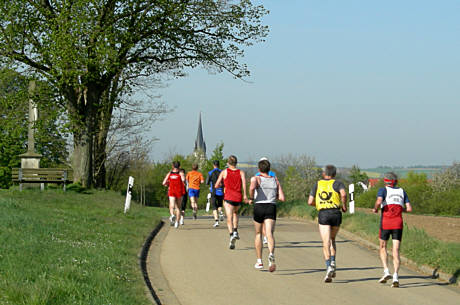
(326, 197)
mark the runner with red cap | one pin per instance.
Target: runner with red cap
(393, 201)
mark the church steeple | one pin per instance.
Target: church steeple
(200, 145)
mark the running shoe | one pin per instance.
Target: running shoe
(221, 216)
(395, 283)
(258, 265)
(385, 278)
(232, 242)
(172, 218)
(265, 240)
(271, 263)
(328, 277)
(176, 225)
(194, 215)
(216, 224)
(181, 222)
(333, 268)
(236, 235)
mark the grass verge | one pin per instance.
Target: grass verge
(71, 248)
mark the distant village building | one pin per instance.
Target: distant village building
(200, 146)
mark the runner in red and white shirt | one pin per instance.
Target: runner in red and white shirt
(393, 201)
(175, 181)
(234, 180)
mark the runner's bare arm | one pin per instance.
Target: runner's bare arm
(219, 180)
(165, 181)
(408, 207)
(343, 199)
(252, 189)
(311, 200)
(377, 204)
(243, 182)
(182, 176)
(280, 191)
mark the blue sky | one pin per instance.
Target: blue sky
(347, 82)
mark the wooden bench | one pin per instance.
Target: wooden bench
(42, 175)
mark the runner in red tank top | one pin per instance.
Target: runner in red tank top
(393, 201)
(234, 180)
(232, 184)
(175, 181)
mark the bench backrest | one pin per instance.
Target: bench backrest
(46, 174)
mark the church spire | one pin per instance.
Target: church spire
(200, 145)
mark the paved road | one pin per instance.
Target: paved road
(199, 269)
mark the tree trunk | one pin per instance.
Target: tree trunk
(84, 119)
(104, 119)
(82, 156)
(100, 156)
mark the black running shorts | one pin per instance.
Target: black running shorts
(264, 211)
(330, 217)
(216, 201)
(234, 203)
(396, 234)
(184, 202)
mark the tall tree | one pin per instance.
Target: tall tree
(95, 50)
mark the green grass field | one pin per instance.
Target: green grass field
(71, 248)
(402, 172)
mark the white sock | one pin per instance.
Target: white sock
(259, 261)
(386, 271)
(395, 276)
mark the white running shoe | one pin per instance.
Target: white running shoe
(265, 240)
(271, 263)
(181, 222)
(258, 265)
(395, 283)
(328, 277)
(236, 235)
(221, 216)
(172, 218)
(386, 276)
(216, 224)
(176, 225)
(333, 268)
(232, 242)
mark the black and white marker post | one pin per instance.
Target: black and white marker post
(351, 191)
(129, 193)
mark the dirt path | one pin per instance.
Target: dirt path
(443, 228)
(198, 268)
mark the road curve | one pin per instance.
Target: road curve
(192, 265)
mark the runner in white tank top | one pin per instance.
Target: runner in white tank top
(264, 192)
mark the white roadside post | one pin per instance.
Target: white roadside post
(129, 193)
(208, 202)
(351, 191)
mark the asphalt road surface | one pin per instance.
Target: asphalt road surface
(193, 265)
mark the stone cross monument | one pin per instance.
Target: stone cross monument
(31, 159)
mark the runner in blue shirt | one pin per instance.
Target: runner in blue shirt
(217, 194)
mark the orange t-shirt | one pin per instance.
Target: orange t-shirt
(194, 179)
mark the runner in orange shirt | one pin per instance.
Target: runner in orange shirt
(194, 179)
